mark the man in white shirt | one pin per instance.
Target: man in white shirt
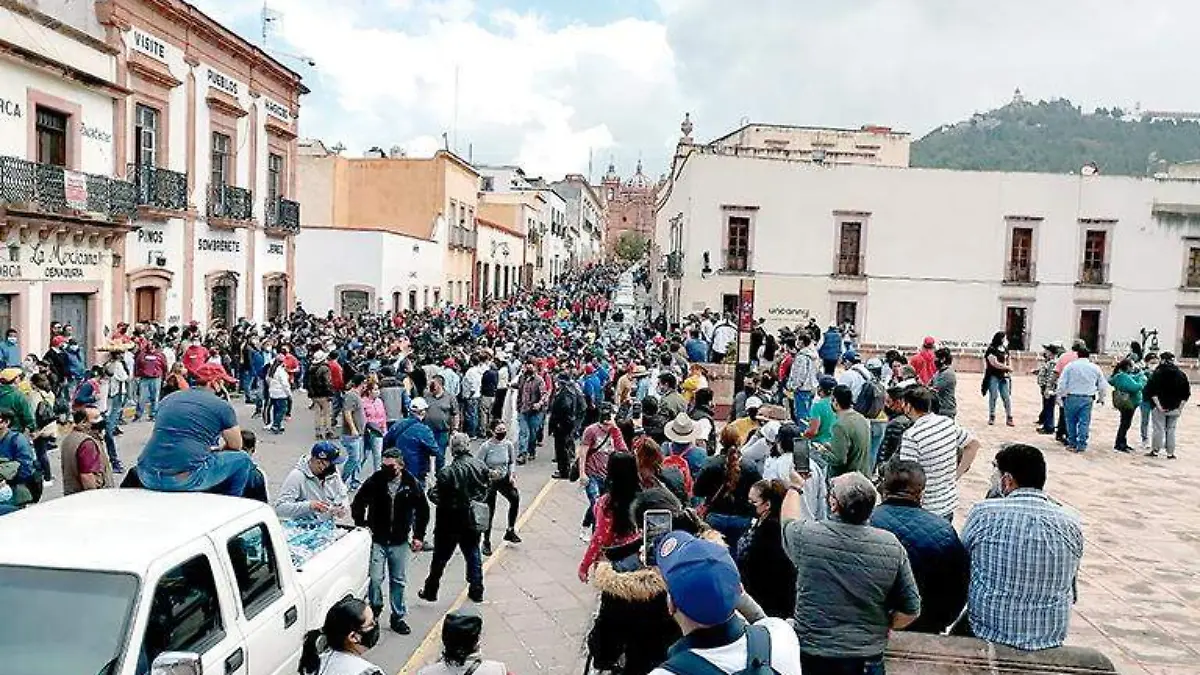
(472, 387)
(942, 448)
(703, 588)
(724, 337)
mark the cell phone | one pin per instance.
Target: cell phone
(655, 524)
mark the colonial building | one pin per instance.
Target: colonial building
(385, 233)
(519, 212)
(499, 256)
(65, 206)
(550, 240)
(628, 205)
(207, 134)
(902, 253)
(870, 145)
(585, 218)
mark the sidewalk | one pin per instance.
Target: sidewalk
(537, 613)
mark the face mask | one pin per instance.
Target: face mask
(6, 493)
(391, 470)
(329, 471)
(499, 435)
(98, 427)
(12, 339)
(996, 486)
(369, 638)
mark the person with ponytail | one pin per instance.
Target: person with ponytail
(460, 648)
(724, 485)
(336, 649)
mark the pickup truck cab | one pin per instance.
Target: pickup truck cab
(106, 581)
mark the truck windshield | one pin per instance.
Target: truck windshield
(63, 621)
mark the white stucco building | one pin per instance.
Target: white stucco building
(585, 218)
(904, 253)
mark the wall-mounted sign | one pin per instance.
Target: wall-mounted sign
(275, 248)
(95, 133)
(149, 45)
(223, 82)
(53, 261)
(76, 190)
(219, 245)
(9, 108)
(276, 110)
(150, 236)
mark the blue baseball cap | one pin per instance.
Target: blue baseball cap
(328, 451)
(701, 577)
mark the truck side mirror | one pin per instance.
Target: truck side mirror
(177, 663)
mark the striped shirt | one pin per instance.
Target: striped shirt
(933, 442)
(1025, 551)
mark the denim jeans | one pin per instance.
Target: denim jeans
(531, 427)
(246, 384)
(445, 540)
(395, 559)
(471, 417)
(1046, 419)
(148, 390)
(278, 412)
(372, 457)
(801, 404)
(224, 473)
(112, 418)
(877, 429)
(1164, 430)
(442, 438)
(353, 445)
(1078, 410)
(1001, 387)
(592, 488)
(1146, 409)
(41, 448)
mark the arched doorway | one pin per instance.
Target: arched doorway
(148, 288)
(221, 290)
(275, 290)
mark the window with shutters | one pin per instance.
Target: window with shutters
(51, 136)
(1192, 278)
(850, 261)
(222, 148)
(146, 130)
(737, 244)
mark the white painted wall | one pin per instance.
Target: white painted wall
(387, 263)
(935, 246)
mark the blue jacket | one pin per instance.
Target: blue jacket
(10, 355)
(258, 361)
(76, 368)
(831, 346)
(15, 447)
(697, 350)
(939, 560)
(416, 443)
(593, 389)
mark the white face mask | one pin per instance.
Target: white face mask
(6, 493)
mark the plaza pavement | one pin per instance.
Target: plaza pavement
(1139, 578)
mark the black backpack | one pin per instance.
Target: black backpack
(565, 405)
(871, 397)
(758, 657)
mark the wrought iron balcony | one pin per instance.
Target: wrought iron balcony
(230, 202)
(1093, 274)
(850, 265)
(283, 215)
(675, 264)
(1020, 272)
(44, 188)
(160, 188)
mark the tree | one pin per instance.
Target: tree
(631, 246)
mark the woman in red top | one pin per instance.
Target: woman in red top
(614, 522)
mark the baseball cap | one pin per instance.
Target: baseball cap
(327, 451)
(770, 431)
(827, 382)
(419, 404)
(929, 342)
(210, 372)
(850, 356)
(753, 402)
(874, 363)
(701, 577)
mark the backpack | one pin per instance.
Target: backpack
(679, 463)
(565, 405)
(758, 657)
(871, 397)
(44, 414)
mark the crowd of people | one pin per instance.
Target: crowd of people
(805, 525)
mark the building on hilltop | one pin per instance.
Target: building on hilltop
(902, 253)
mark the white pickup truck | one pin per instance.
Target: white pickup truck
(106, 582)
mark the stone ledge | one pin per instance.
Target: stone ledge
(924, 654)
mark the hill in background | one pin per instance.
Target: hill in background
(1057, 137)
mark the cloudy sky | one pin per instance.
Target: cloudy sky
(543, 83)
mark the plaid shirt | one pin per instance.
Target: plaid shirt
(1025, 551)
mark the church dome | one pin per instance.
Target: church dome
(638, 180)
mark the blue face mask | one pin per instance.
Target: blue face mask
(12, 339)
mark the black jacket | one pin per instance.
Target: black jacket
(940, 563)
(391, 519)
(767, 573)
(1170, 385)
(458, 484)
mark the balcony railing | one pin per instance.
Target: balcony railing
(44, 187)
(849, 265)
(1020, 272)
(464, 239)
(675, 264)
(283, 215)
(230, 202)
(1093, 274)
(160, 188)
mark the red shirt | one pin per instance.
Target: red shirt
(194, 357)
(336, 378)
(88, 458)
(291, 363)
(603, 536)
(923, 362)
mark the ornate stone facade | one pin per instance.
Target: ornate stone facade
(628, 204)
